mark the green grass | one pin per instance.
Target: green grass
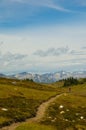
(35, 127)
(74, 108)
(21, 99)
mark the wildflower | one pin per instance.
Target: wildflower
(62, 112)
(61, 106)
(4, 109)
(81, 117)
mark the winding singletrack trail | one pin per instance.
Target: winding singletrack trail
(39, 115)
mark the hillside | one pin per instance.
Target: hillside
(19, 99)
(67, 112)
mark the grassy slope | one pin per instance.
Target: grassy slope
(74, 108)
(29, 94)
(21, 99)
(68, 117)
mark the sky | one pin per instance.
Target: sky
(42, 35)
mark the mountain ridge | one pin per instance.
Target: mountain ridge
(47, 77)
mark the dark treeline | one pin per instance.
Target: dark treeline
(73, 81)
(70, 81)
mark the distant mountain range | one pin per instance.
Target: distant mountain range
(47, 77)
(2, 75)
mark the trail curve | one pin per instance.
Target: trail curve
(39, 115)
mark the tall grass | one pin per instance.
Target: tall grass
(35, 127)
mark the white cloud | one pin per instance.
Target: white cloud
(39, 3)
(1, 43)
(10, 58)
(25, 43)
(52, 52)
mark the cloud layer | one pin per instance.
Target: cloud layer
(42, 34)
(52, 52)
(60, 51)
(9, 59)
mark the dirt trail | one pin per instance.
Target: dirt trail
(39, 115)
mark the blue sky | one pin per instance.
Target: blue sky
(42, 35)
